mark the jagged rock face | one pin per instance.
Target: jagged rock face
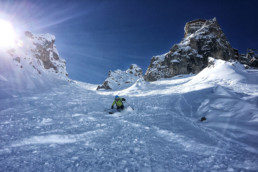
(40, 53)
(254, 62)
(121, 79)
(250, 58)
(32, 63)
(203, 39)
(46, 51)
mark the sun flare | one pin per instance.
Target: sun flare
(7, 34)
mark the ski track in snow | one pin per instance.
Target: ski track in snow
(68, 129)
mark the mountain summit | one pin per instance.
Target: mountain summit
(203, 39)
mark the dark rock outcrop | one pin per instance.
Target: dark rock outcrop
(203, 39)
(250, 58)
(46, 51)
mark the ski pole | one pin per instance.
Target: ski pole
(129, 105)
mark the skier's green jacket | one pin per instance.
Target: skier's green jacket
(118, 102)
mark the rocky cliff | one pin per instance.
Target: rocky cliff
(203, 39)
(45, 51)
(32, 63)
(250, 58)
(121, 79)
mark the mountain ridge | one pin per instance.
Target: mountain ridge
(202, 39)
(119, 79)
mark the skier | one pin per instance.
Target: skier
(119, 103)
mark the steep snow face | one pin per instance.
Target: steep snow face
(121, 79)
(68, 128)
(33, 63)
(203, 38)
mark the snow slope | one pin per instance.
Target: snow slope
(67, 128)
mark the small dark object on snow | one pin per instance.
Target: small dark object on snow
(203, 118)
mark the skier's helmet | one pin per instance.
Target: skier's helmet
(116, 97)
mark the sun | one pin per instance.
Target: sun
(7, 34)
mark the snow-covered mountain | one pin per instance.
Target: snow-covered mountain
(49, 124)
(34, 63)
(121, 79)
(203, 39)
(68, 128)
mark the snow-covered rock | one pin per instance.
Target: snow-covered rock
(203, 38)
(250, 58)
(33, 63)
(121, 79)
(45, 51)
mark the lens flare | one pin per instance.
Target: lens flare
(7, 34)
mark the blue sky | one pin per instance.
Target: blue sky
(101, 35)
